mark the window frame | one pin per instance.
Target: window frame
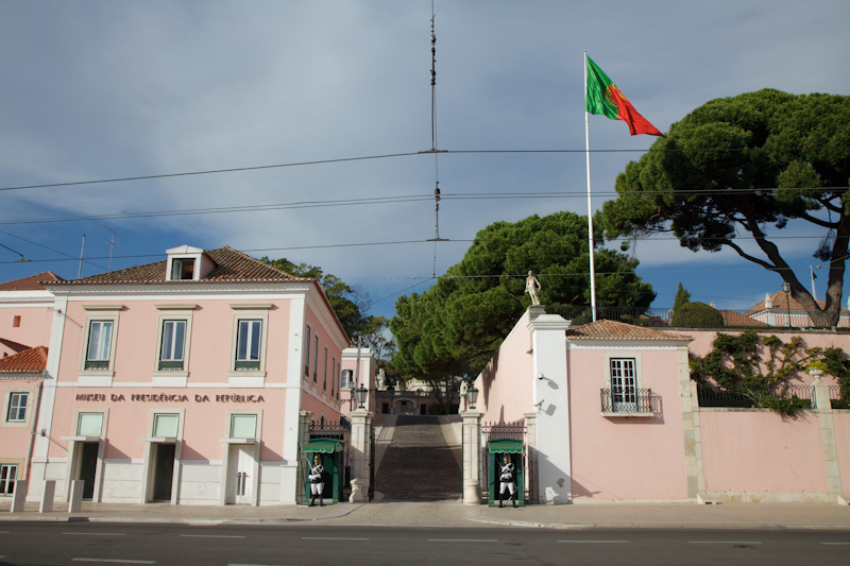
(7, 406)
(636, 359)
(316, 358)
(100, 313)
(17, 407)
(325, 371)
(308, 337)
(7, 483)
(250, 312)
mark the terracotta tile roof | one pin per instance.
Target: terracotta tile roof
(779, 301)
(12, 345)
(231, 265)
(33, 360)
(734, 318)
(613, 330)
(31, 283)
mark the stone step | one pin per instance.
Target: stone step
(418, 465)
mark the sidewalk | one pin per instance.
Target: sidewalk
(454, 514)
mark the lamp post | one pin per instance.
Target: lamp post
(361, 394)
(786, 286)
(472, 396)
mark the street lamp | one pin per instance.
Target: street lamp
(472, 396)
(786, 286)
(361, 394)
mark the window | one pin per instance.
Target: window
(307, 355)
(183, 268)
(171, 351)
(243, 426)
(99, 346)
(17, 411)
(333, 376)
(8, 475)
(165, 425)
(16, 321)
(325, 372)
(90, 424)
(250, 334)
(248, 345)
(347, 379)
(623, 385)
(316, 358)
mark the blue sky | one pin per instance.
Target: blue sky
(102, 89)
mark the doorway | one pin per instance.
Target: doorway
(163, 471)
(88, 468)
(240, 474)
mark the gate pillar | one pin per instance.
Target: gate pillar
(304, 420)
(471, 457)
(361, 455)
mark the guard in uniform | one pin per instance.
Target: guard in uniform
(506, 480)
(317, 484)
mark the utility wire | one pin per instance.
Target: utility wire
(384, 156)
(378, 200)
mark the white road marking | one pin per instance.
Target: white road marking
(113, 561)
(97, 534)
(462, 540)
(594, 541)
(213, 536)
(837, 543)
(334, 538)
(724, 542)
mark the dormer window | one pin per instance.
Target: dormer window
(186, 263)
(182, 269)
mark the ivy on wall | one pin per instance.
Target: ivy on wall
(761, 368)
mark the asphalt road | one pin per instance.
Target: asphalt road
(80, 544)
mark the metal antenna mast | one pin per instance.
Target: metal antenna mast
(434, 149)
(112, 244)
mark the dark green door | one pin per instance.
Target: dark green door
(163, 472)
(88, 468)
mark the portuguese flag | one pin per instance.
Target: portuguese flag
(604, 98)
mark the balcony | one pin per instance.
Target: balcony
(629, 402)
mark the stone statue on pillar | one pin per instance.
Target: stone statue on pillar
(532, 285)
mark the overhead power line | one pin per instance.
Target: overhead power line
(516, 195)
(374, 157)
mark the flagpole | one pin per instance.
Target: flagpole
(589, 199)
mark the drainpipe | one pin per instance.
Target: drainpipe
(33, 431)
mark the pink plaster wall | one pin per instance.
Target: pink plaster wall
(841, 425)
(205, 419)
(505, 385)
(326, 391)
(619, 457)
(15, 440)
(34, 329)
(749, 451)
(210, 341)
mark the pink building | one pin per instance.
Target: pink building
(21, 379)
(610, 413)
(186, 380)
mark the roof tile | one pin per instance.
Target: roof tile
(31, 283)
(613, 330)
(231, 265)
(33, 360)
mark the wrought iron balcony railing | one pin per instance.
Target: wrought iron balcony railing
(630, 401)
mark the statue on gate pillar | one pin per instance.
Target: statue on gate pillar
(532, 285)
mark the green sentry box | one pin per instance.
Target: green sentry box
(331, 452)
(514, 449)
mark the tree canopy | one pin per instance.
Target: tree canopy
(348, 303)
(736, 166)
(454, 327)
